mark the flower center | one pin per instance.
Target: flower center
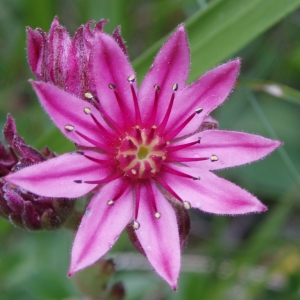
(141, 153)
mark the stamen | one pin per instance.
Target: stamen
(87, 110)
(102, 129)
(69, 128)
(88, 96)
(99, 161)
(167, 169)
(163, 124)
(152, 198)
(167, 188)
(110, 122)
(138, 117)
(185, 159)
(187, 205)
(198, 110)
(119, 194)
(124, 109)
(175, 132)
(93, 142)
(104, 180)
(131, 78)
(214, 158)
(111, 86)
(183, 146)
(136, 225)
(155, 105)
(157, 215)
(137, 200)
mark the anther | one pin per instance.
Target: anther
(197, 178)
(78, 181)
(87, 110)
(154, 127)
(111, 86)
(88, 96)
(133, 171)
(164, 157)
(131, 78)
(187, 205)
(136, 225)
(69, 127)
(137, 127)
(198, 110)
(214, 158)
(157, 215)
(156, 87)
(175, 86)
(110, 202)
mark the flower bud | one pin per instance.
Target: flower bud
(24, 209)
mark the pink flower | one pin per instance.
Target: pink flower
(138, 146)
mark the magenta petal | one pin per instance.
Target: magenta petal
(212, 193)
(232, 148)
(159, 237)
(55, 177)
(34, 51)
(208, 92)
(101, 225)
(171, 65)
(111, 67)
(66, 109)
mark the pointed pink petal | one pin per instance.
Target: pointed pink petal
(35, 48)
(159, 237)
(101, 225)
(118, 38)
(208, 92)
(171, 65)
(231, 147)
(66, 109)
(55, 177)
(212, 193)
(111, 66)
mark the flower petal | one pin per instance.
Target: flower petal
(111, 67)
(66, 109)
(231, 148)
(55, 177)
(101, 225)
(171, 65)
(208, 92)
(212, 193)
(159, 237)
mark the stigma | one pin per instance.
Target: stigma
(141, 153)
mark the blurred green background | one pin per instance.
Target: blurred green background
(245, 257)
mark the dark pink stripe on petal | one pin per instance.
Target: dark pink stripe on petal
(159, 237)
(231, 148)
(55, 177)
(213, 194)
(66, 109)
(171, 65)
(101, 225)
(207, 93)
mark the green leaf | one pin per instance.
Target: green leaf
(224, 27)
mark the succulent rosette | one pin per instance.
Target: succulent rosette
(142, 151)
